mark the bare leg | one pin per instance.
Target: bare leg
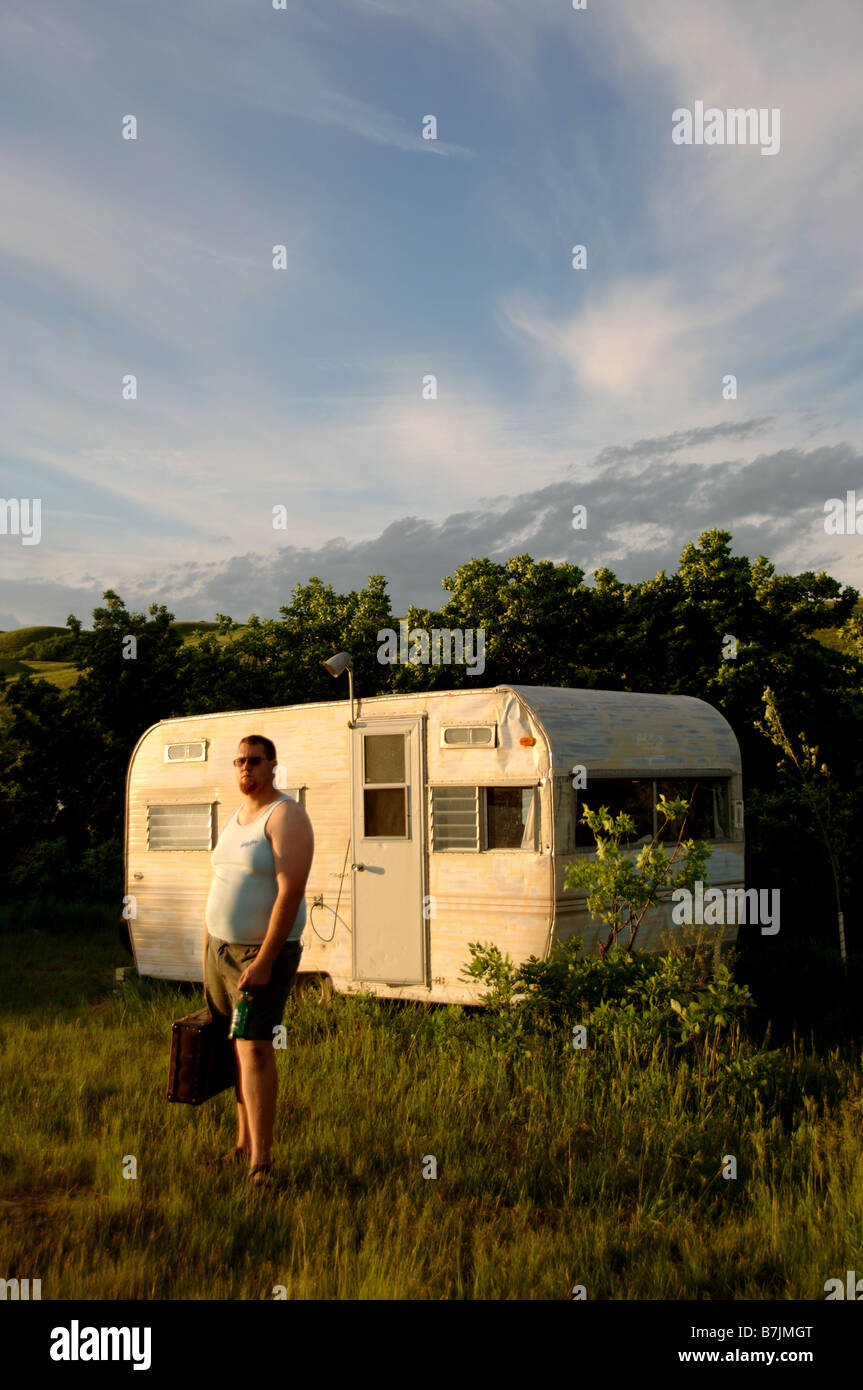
(244, 1137)
(256, 1098)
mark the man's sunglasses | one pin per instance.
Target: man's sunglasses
(253, 762)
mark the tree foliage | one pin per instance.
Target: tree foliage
(63, 757)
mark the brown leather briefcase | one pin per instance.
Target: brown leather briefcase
(202, 1059)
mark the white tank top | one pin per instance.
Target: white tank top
(244, 885)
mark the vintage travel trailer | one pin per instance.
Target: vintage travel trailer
(439, 818)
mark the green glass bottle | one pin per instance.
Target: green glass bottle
(239, 1016)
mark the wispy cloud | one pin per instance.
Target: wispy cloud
(302, 386)
(772, 503)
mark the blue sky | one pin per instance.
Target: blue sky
(407, 257)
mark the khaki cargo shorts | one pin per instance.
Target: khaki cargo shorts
(225, 963)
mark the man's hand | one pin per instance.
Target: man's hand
(255, 976)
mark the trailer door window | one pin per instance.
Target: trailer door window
(385, 789)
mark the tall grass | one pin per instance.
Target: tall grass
(554, 1166)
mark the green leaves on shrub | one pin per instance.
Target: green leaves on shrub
(620, 888)
(674, 999)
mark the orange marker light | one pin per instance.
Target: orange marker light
(527, 742)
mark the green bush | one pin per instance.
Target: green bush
(682, 1010)
(60, 647)
(676, 998)
(51, 869)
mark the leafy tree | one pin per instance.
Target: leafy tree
(271, 662)
(620, 889)
(829, 810)
(63, 757)
(532, 614)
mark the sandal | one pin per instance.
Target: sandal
(261, 1176)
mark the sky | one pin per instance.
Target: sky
(428, 377)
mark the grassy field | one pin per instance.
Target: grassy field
(555, 1167)
(63, 674)
(60, 673)
(17, 638)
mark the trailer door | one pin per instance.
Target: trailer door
(388, 851)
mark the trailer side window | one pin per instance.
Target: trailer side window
(510, 817)
(454, 818)
(186, 752)
(468, 736)
(481, 818)
(564, 815)
(708, 817)
(629, 795)
(176, 827)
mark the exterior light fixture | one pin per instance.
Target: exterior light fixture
(338, 663)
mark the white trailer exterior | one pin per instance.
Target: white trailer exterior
(440, 819)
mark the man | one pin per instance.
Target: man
(255, 916)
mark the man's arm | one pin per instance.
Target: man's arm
(289, 831)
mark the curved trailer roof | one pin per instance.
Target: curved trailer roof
(617, 731)
(612, 731)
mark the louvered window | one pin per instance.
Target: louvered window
(484, 818)
(180, 826)
(454, 815)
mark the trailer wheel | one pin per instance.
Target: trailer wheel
(313, 989)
